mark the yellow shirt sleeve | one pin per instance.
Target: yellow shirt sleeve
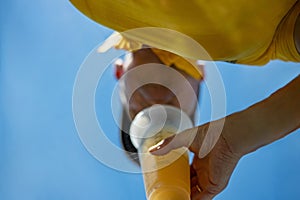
(283, 43)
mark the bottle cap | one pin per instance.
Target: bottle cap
(153, 119)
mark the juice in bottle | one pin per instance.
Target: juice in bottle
(166, 177)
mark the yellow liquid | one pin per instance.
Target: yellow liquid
(165, 177)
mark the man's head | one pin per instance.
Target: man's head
(145, 64)
(150, 94)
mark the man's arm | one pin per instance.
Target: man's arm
(266, 121)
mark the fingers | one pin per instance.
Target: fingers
(182, 139)
(202, 196)
(163, 147)
(194, 184)
(201, 187)
(200, 140)
(198, 192)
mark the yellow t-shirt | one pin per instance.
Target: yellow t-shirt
(246, 32)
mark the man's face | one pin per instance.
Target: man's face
(139, 67)
(149, 95)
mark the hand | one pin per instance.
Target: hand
(210, 174)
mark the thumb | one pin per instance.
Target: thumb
(183, 139)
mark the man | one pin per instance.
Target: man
(242, 32)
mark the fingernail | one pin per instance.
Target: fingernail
(161, 144)
(156, 146)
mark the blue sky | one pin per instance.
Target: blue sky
(43, 44)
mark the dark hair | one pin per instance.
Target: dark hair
(129, 148)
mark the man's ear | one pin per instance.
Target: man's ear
(119, 68)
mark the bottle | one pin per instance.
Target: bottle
(165, 177)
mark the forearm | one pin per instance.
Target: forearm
(266, 121)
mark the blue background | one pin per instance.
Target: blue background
(43, 44)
